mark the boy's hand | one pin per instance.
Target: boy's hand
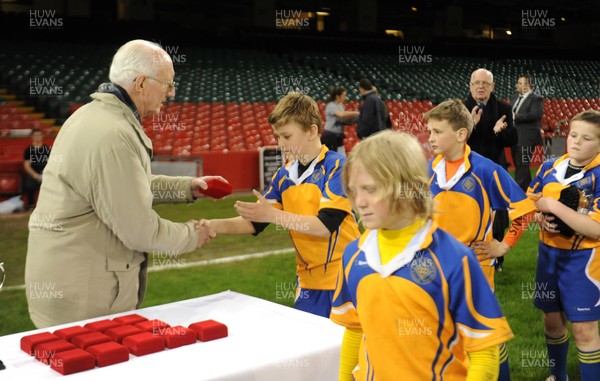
(260, 211)
(205, 232)
(493, 249)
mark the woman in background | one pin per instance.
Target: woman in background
(336, 117)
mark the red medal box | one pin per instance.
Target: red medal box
(208, 330)
(102, 325)
(71, 332)
(119, 333)
(109, 353)
(28, 343)
(90, 339)
(73, 361)
(217, 188)
(46, 351)
(144, 343)
(177, 336)
(152, 325)
(130, 319)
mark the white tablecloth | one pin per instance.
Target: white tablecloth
(267, 341)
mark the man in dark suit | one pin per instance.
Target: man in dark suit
(527, 109)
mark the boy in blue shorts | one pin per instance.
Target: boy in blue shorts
(414, 301)
(306, 197)
(568, 269)
(467, 188)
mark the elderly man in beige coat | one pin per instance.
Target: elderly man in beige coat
(94, 220)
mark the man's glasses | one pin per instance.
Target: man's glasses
(170, 85)
(481, 83)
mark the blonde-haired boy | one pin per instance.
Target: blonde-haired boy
(306, 197)
(413, 299)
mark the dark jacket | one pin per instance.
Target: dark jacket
(373, 116)
(483, 140)
(528, 121)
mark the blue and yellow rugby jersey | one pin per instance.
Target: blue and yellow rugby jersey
(464, 204)
(432, 306)
(554, 171)
(319, 187)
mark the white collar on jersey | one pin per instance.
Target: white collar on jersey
(371, 249)
(293, 171)
(561, 171)
(440, 172)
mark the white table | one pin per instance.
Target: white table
(267, 341)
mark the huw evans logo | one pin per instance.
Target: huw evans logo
(413, 54)
(543, 86)
(291, 19)
(537, 19)
(177, 57)
(44, 19)
(44, 87)
(284, 85)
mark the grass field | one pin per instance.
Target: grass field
(264, 277)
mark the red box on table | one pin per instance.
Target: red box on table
(208, 330)
(70, 332)
(131, 319)
(89, 339)
(108, 353)
(102, 325)
(46, 351)
(72, 361)
(29, 342)
(119, 333)
(152, 325)
(177, 336)
(144, 343)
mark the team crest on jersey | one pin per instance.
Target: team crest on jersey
(468, 184)
(316, 176)
(422, 270)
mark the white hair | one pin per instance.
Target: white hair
(134, 58)
(487, 72)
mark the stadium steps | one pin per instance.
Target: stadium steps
(18, 120)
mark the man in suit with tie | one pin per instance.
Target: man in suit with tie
(527, 109)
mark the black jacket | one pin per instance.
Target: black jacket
(483, 140)
(528, 121)
(372, 117)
